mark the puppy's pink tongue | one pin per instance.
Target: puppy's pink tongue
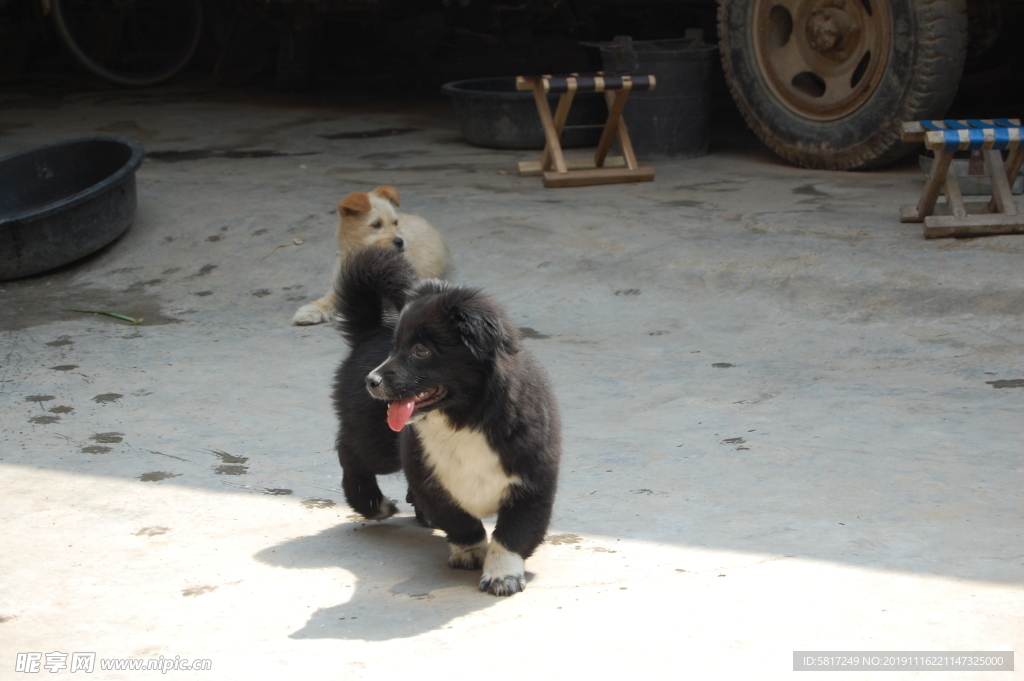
(399, 413)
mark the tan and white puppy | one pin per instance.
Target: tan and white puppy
(369, 219)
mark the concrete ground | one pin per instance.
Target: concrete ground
(790, 422)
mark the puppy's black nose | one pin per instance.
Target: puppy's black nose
(374, 380)
(399, 243)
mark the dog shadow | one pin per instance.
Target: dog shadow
(402, 584)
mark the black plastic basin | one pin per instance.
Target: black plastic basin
(492, 113)
(61, 202)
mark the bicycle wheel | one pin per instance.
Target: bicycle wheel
(130, 42)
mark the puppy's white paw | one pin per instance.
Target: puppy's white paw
(386, 509)
(467, 557)
(504, 571)
(310, 314)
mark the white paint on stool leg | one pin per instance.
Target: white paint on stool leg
(504, 571)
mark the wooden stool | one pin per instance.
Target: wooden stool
(972, 218)
(601, 169)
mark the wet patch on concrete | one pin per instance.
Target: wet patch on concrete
(628, 292)
(232, 464)
(261, 293)
(198, 590)
(369, 134)
(152, 531)
(659, 332)
(810, 190)
(108, 438)
(203, 294)
(35, 301)
(177, 156)
(1011, 383)
(276, 491)
(560, 539)
(733, 441)
(39, 398)
(44, 420)
(723, 365)
(395, 155)
(61, 342)
(641, 491)
(137, 286)
(684, 203)
(713, 186)
(96, 449)
(228, 458)
(64, 367)
(204, 270)
(157, 476)
(107, 398)
(317, 503)
(62, 409)
(527, 332)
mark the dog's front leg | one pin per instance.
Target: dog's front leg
(364, 496)
(519, 530)
(467, 538)
(322, 309)
(317, 312)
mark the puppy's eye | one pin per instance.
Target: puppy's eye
(377, 224)
(420, 351)
(395, 223)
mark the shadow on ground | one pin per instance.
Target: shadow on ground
(424, 593)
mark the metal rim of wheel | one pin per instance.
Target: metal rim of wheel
(822, 59)
(134, 25)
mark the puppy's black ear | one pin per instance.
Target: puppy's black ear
(482, 330)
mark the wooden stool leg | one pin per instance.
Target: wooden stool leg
(628, 155)
(930, 194)
(1013, 164)
(561, 114)
(1002, 194)
(611, 127)
(954, 197)
(546, 122)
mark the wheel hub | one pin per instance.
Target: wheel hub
(831, 32)
(823, 59)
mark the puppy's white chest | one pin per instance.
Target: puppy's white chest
(465, 465)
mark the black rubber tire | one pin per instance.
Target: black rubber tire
(929, 44)
(157, 38)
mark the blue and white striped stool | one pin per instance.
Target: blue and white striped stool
(601, 169)
(992, 137)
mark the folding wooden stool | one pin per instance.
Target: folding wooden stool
(601, 169)
(999, 215)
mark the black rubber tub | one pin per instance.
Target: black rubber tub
(493, 114)
(673, 120)
(61, 202)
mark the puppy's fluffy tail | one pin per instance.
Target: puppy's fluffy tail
(370, 282)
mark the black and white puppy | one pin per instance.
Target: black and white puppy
(479, 427)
